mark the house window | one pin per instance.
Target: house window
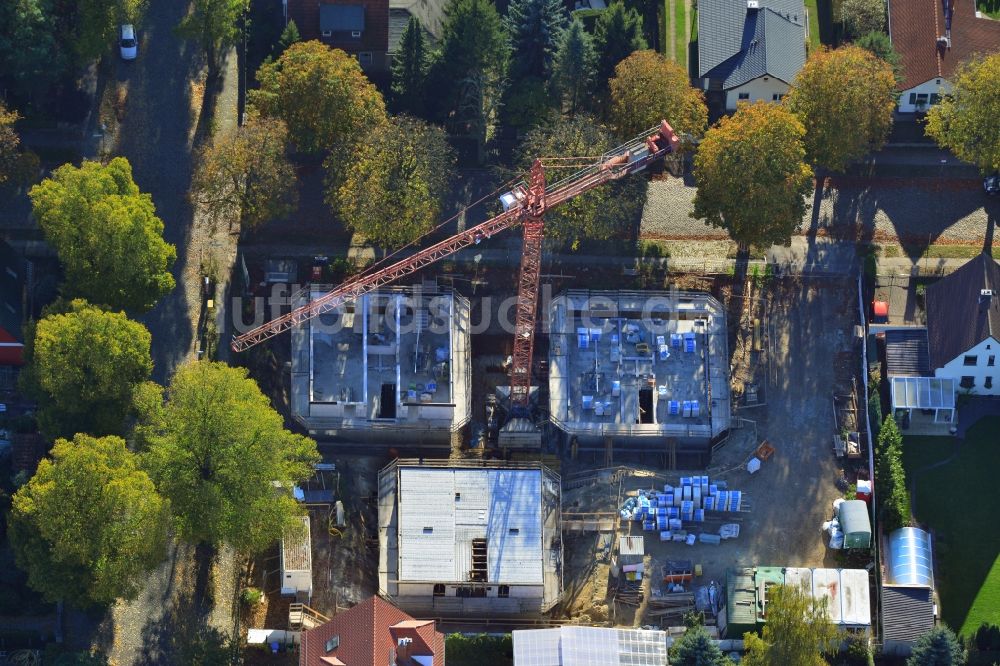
(458, 497)
(992, 360)
(777, 97)
(365, 57)
(428, 530)
(988, 383)
(744, 95)
(503, 591)
(514, 531)
(922, 99)
(935, 98)
(327, 33)
(438, 589)
(913, 99)
(968, 382)
(969, 360)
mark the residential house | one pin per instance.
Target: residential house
(430, 13)
(932, 37)
(963, 326)
(359, 27)
(373, 633)
(750, 50)
(13, 295)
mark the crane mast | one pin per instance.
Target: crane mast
(525, 205)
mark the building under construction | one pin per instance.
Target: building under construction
(639, 370)
(391, 366)
(471, 539)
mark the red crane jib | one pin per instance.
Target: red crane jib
(531, 203)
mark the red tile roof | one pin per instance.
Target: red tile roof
(915, 26)
(369, 632)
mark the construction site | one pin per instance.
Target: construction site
(610, 460)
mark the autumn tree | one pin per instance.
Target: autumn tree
(696, 648)
(605, 212)
(85, 364)
(965, 122)
(215, 24)
(535, 27)
(395, 188)
(862, 16)
(938, 647)
(617, 35)
(106, 233)
(219, 452)
(468, 69)
(409, 70)
(798, 630)
(648, 88)
(9, 144)
(574, 67)
(752, 180)
(321, 94)
(845, 98)
(246, 178)
(89, 526)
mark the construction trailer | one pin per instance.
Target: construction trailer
(392, 367)
(472, 539)
(296, 562)
(639, 370)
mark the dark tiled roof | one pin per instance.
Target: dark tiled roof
(726, 30)
(906, 353)
(957, 316)
(915, 26)
(907, 612)
(368, 635)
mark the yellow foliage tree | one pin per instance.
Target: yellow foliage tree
(798, 630)
(845, 98)
(967, 121)
(648, 88)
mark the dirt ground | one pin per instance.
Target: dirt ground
(811, 356)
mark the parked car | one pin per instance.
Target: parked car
(991, 184)
(127, 42)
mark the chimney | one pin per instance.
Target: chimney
(985, 299)
(403, 650)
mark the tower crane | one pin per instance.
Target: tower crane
(525, 205)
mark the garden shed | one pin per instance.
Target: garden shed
(856, 524)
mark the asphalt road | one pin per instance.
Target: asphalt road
(154, 137)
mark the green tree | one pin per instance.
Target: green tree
(890, 475)
(106, 233)
(468, 70)
(695, 648)
(844, 88)
(574, 67)
(481, 650)
(535, 27)
(395, 189)
(938, 647)
(322, 95)
(89, 526)
(862, 16)
(752, 180)
(888, 449)
(617, 35)
(409, 70)
(879, 45)
(289, 35)
(216, 449)
(246, 178)
(798, 630)
(648, 88)
(965, 122)
(85, 365)
(528, 104)
(604, 212)
(30, 58)
(215, 24)
(10, 144)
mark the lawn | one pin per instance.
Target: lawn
(989, 7)
(957, 502)
(814, 36)
(674, 23)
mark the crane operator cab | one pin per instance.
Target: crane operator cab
(514, 198)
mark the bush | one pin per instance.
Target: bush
(481, 650)
(251, 596)
(875, 413)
